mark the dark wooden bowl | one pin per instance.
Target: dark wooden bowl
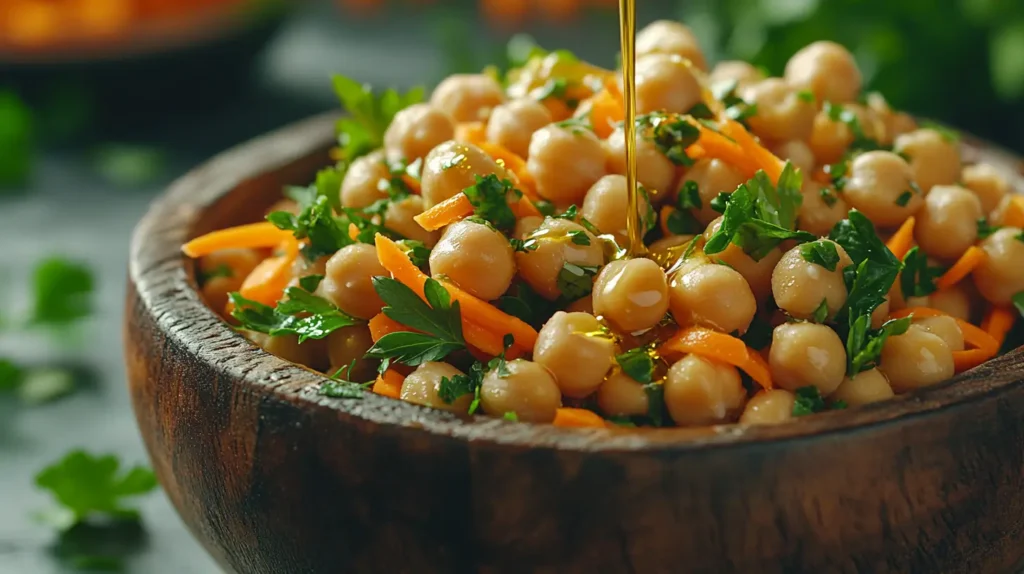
(273, 478)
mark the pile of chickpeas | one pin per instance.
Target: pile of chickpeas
(642, 301)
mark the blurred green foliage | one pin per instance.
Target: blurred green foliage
(961, 61)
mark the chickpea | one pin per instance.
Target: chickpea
(670, 37)
(310, 353)
(807, 354)
(713, 176)
(467, 97)
(956, 301)
(528, 390)
(526, 225)
(348, 282)
(915, 359)
(831, 137)
(422, 385)
(513, 123)
(757, 273)
(632, 294)
(946, 328)
(1001, 274)
(568, 346)
(559, 181)
(799, 154)
(620, 395)
(934, 159)
(738, 71)
(399, 218)
(863, 388)
(654, 171)
(664, 83)
(607, 207)
(948, 223)
(781, 113)
(346, 348)
(540, 267)
(988, 183)
(826, 69)
(675, 244)
(876, 181)
(701, 391)
(769, 407)
(361, 186)
(821, 209)
(998, 215)
(222, 272)
(800, 286)
(415, 131)
(476, 258)
(880, 315)
(894, 124)
(452, 167)
(712, 295)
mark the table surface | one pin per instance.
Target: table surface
(70, 211)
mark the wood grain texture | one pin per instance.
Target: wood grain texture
(275, 479)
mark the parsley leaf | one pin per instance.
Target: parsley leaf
(221, 270)
(572, 214)
(808, 401)
(343, 389)
(985, 229)
(864, 345)
(86, 486)
(369, 115)
(417, 251)
(511, 416)
(821, 313)
(526, 304)
(317, 223)
(759, 216)
(579, 237)
(11, 374)
(62, 292)
(861, 142)
(656, 410)
(828, 197)
(681, 220)
(310, 282)
(918, 277)
(637, 363)
(821, 253)
(1018, 302)
(736, 108)
(670, 133)
(452, 389)
(904, 198)
(576, 125)
(301, 313)
(489, 196)
(759, 333)
(576, 281)
(437, 319)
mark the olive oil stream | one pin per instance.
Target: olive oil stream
(627, 23)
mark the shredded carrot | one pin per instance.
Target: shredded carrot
(447, 212)
(998, 323)
(514, 164)
(267, 281)
(578, 418)
(765, 159)
(474, 310)
(971, 258)
(471, 132)
(353, 231)
(719, 146)
(901, 241)
(695, 151)
(251, 236)
(487, 341)
(381, 325)
(1014, 214)
(666, 212)
(985, 346)
(606, 112)
(389, 384)
(412, 183)
(558, 108)
(966, 360)
(720, 347)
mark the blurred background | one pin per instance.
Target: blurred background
(104, 102)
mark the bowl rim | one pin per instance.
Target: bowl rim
(165, 283)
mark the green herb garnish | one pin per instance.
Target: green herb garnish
(985, 229)
(489, 196)
(300, 313)
(317, 223)
(437, 319)
(579, 237)
(670, 133)
(637, 363)
(821, 253)
(904, 198)
(369, 115)
(918, 277)
(576, 281)
(62, 292)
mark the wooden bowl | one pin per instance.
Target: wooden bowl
(273, 478)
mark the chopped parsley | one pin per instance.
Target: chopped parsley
(670, 133)
(526, 304)
(511, 416)
(904, 198)
(1018, 302)
(317, 223)
(579, 237)
(16, 140)
(657, 414)
(736, 108)
(11, 374)
(918, 277)
(861, 142)
(437, 319)
(681, 220)
(62, 291)
(300, 313)
(821, 313)
(452, 389)
(573, 214)
(554, 88)
(546, 208)
(417, 251)
(808, 401)
(219, 271)
(806, 96)
(576, 125)
(369, 115)
(985, 229)
(489, 196)
(638, 364)
(88, 486)
(759, 215)
(720, 202)
(344, 389)
(576, 281)
(828, 197)
(759, 333)
(821, 253)
(949, 134)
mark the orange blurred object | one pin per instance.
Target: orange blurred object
(30, 22)
(558, 10)
(505, 12)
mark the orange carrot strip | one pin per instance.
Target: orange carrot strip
(971, 258)
(471, 132)
(578, 418)
(389, 384)
(445, 213)
(558, 108)
(695, 151)
(765, 159)
(720, 347)
(1014, 214)
(717, 145)
(966, 360)
(973, 335)
(267, 281)
(606, 112)
(998, 323)
(252, 236)
(666, 212)
(487, 341)
(412, 183)
(514, 164)
(901, 241)
(353, 231)
(381, 325)
(474, 310)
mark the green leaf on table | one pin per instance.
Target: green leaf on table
(438, 322)
(10, 375)
(43, 385)
(129, 165)
(62, 290)
(87, 486)
(17, 145)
